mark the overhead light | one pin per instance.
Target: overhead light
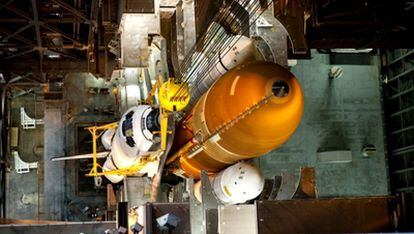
(52, 54)
(352, 51)
(2, 80)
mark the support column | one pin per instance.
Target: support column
(51, 206)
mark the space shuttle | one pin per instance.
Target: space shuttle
(243, 109)
(227, 106)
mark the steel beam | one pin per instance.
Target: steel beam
(43, 24)
(403, 150)
(209, 204)
(93, 17)
(403, 111)
(401, 75)
(403, 130)
(404, 170)
(68, 37)
(18, 37)
(406, 189)
(19, 12)
(37, 29)
(400, 58)
(18, 65)
(196, 212)
(20, 54)
(7, 46)
(12, 20)
(16, 32)
(69, 20)
(398, 111)
(403, 92)
(5, 4)
(68, 55)
(72, 10)
(36, 23)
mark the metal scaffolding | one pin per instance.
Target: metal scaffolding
(398, 89)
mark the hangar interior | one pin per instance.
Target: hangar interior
(204, 116)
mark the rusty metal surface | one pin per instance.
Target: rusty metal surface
(307, 184)
(344, 215)
(181, 210)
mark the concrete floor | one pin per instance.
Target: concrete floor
(342, 114)
(23, 189)
(38, 194)
(84, 109)
(26, 196)
(54, 175)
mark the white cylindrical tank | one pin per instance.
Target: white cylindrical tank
(239, 49)
(238, 183)
(133, 138)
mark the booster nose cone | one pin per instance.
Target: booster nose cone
(236, 184)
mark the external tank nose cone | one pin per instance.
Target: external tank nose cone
(280, 88)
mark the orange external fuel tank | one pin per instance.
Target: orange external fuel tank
(249, 111)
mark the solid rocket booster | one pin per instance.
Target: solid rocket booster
(235, 184)
(240, 49)
(251, 110)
